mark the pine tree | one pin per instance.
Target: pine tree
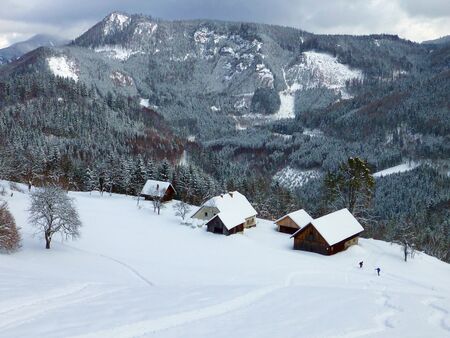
(164, 171)
(351, 186)
(91, 181)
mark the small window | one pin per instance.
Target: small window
(206, 214)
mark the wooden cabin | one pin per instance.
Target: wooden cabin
(328, 234)
(227, 205)
(158, 189)
(225, 224)
(292, 222)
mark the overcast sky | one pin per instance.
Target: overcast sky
(416, 20)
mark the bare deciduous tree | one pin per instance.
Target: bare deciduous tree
(181, 209)
(157, 204)
(405, 236)
(9, 233)
(51, 212)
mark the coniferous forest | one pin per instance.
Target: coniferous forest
(204, 132)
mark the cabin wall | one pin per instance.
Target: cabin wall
(206, 213)
(235, 230)
(250, 222)
(216, 226)
(350, 242)
(169, 195)
(287, 225)
(311, 240)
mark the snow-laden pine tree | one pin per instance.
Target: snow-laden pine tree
(91, 180)
(164, 171)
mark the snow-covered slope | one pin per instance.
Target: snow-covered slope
(64, 67)
(292, 178)
(315, 70)
(397, 169)
(136, 274)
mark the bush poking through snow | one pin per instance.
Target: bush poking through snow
(181, 210)
(9, 233)
(52, 211)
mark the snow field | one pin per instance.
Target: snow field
(397, 169)
(136, 274)
(63, 67)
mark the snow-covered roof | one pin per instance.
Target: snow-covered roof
(155, 188)
(300, 217)
(336, 227)
(229, 220)
(233, 208)
(233, 202)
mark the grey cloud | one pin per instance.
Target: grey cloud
(320, 16)
(427, 8)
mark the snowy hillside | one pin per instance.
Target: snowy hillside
(397, 169)
(136, 274)
(63, 67)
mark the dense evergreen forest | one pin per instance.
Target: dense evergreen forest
(212, 91)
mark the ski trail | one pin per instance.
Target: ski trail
(24, 313)
(383, 320)
(19, 303)
(129, 267)
(115, 260)
(439, 313)
(144, 327)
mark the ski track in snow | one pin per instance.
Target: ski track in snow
(439, 313)
(26, 311)
(125, 265)
(383, 320)
(142, 328)
(145, 327)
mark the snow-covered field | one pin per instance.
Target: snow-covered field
(136, 274)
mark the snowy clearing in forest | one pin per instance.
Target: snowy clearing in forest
(397, 169)
(136, 274)
(292, 178)
(144, 103)
(63, 67)
(116, 52)
(315, 70)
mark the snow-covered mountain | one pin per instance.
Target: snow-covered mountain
(136, 274)
(221, 64)
(18, 49)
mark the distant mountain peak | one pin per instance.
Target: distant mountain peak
(18, 49)
(442, 40)
(115, 21)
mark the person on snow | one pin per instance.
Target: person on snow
(378, 271)
(361, 264)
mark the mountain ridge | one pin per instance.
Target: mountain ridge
(16, 50)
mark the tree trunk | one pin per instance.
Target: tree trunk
(406, 252)
(47, 241)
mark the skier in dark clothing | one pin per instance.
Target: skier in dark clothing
(360, 264)
(378, 271)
